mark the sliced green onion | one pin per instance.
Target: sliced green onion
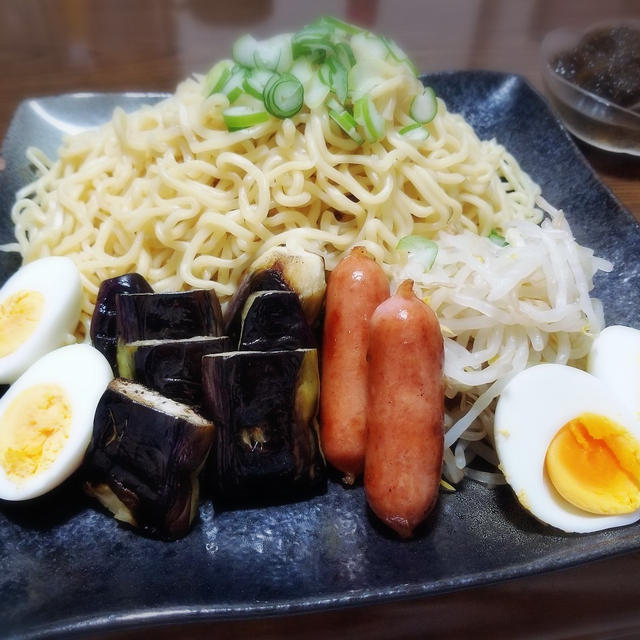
(244, 49)
(347, 123)
(303, 70)
(338, 24)
(394, 50)
(241, 117)
(412, 67)
(216, 77)
(267, 58)
(496, 238)
(316, 93)
(313, 41)
(369, 47)
(324, 73)
(255, 82)
(332, 103)
(338, 80)
(398, 54)
(369, 119)
(326, 63)
(409, 127)
(274, 54)
(345, 54)
(233, 87)
(424, 106)
(283, 95)
(362, 79)
(414, 132)
(420, 248)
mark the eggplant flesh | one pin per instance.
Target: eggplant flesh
(171, 367)
(274, 320)
(264, 405)
(144, 458)
(174, 315)
(280, 268)
(103, 330)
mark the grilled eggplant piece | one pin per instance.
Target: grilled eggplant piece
(144, 458)
(172, 367)
(264, 406)
(103, 330)
(273, 320)
(175, 315)
(280, 269)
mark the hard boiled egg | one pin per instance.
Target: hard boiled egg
(39, 308)
(569, 449)
(46, 420)
(615, 359)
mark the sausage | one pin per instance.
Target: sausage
(405, 411)
(354, 289)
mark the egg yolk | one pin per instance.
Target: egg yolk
(594, 464)
(33, 430)
(19, 316)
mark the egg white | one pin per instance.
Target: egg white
(84, 373)
(58, 280)
(533, 407)
(615, 359)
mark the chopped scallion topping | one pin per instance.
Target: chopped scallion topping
(424, 106)
(283, 95)
(419, 248)
(241, 117)
(326, 63)
(217, 77)
(496, 238)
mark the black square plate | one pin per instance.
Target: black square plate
(66, 567)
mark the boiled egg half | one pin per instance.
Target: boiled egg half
(615, 359)
(46, 420)
(569, 449)
(39, 310)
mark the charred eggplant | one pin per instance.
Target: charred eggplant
(264, 406)
(280, 269)
(172, 367)
(175, 315)
(103, 330)
(144, 458)
(273, 320)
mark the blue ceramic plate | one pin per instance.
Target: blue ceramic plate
(66, 567)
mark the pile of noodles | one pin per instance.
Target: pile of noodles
(168, 192)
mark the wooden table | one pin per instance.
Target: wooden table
(49, 47)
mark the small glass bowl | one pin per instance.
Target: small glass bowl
(591, 118)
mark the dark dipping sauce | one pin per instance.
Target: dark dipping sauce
(605, 62)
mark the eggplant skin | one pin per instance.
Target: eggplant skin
(144, 458)
(282, 269)
(103, 330)
(264, 280)
(274, 320)
(172, 315)
(171, 367)
(264, 405)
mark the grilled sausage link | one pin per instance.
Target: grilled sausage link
(354, 289)
(405, 411)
